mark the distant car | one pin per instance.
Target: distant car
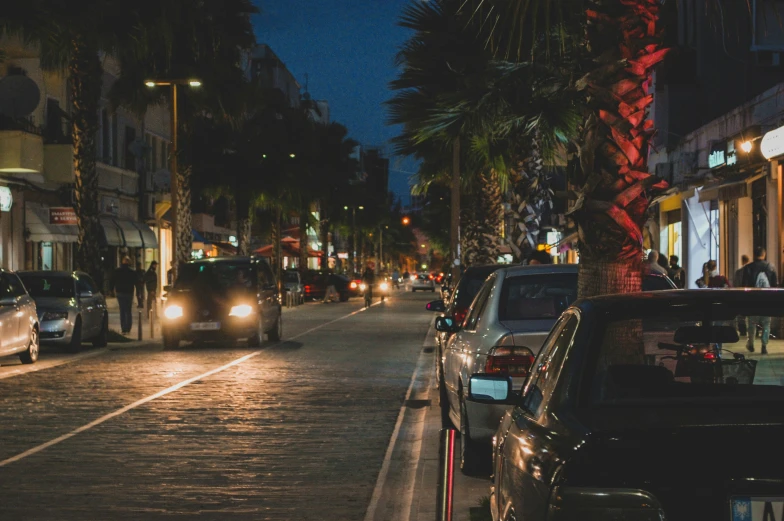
(293, 284)
(315, 285)
(606, 430)
(423, 282)
(223, 298)
(19, 328)
(71, 308)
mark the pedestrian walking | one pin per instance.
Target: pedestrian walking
(652, 264)
(737, 282)
(331, 292)
(676, 273)
(396, 278)
(711, 277)
(139, 284)
(124, 284)
(151, 285)
(759, 274)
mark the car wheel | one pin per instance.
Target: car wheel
(76, 336)
(30, 355)
(258, 337)
(276, 333)
(103, 336)
(470, 451)
(170, 341)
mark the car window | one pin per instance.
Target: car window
(476, 308)
(656, 283)
(533, 297)
(544, 376)
(16, 286)
(219, 275)
(82, 286)
(88, 283)
(266, 274)
(5, 288)
(291, 276)
(45, 286)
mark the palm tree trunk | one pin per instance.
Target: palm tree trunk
(454, 201)
(324, 230)
(244, 223)
(275, 236)
(184, 239)
(84, 78)
(616, 186)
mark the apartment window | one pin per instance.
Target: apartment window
(106, 142)
(130, 157)
(114, 135)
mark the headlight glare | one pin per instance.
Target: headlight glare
(172, 312)
(241, 311)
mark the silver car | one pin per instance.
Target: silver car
(423, 282)
(292, 281)
(503, 331)
(18, 320)
(71, 309)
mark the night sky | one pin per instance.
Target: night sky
(347, 50)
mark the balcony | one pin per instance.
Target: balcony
(21, 148)
(58, 159)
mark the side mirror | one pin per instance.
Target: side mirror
(8, 301)
(167, 288)
(436, 305)
(447, 325)
(484, 388)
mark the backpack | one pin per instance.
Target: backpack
(762, 280)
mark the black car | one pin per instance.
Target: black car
(645, 406)
(223, 298)
(315, 285)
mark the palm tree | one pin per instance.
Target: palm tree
(69, 37)
(206, 39)
(615, 187)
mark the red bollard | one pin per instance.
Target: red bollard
(446, 476)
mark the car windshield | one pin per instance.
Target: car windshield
(290, 276)
(677, 354)
(221, 275)
(45, 286)
(536, 297)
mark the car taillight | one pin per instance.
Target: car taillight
(460, 314)
(307, 288)
(512, 361)
(353, 284)
(710, 355)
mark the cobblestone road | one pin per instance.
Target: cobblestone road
(297, 431)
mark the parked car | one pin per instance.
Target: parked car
(602, 428)
(422, 282)
(19, 329)
(71, 308)
(502, 331)
(508, 320)
(223, 298)
(292, 281)
(316, 285)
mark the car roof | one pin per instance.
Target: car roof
(753, 297)
(540, 269)
(481, 271)
(49, 273)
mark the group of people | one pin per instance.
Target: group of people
(126, 282)
(657, 263)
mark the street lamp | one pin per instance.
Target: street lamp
(406, 221)
(193, 83)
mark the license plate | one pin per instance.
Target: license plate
(205, 326)
(757, 508)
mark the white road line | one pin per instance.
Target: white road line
(415, 452)
(157, 395)
(49, 364)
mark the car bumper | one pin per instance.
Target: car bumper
(55, 331)
(230, 328)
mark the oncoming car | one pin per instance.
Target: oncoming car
(223, 299)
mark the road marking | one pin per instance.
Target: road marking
(159, 394)
(49, 364)
(408, 495)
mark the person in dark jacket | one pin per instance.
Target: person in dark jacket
(124, 284)
(139, 284)
(676, 273)
(759, 274)
(151, 284)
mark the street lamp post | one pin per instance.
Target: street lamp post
(354, 231)
(173, 164)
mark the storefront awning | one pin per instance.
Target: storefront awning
(111, 232)
(127, 233)
(38, 227)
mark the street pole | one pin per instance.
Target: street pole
(354, 227)
(278, 259)
(174, 188)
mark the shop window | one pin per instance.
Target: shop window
(46, 256)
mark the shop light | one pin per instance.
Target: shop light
(746, 146)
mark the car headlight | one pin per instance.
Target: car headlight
(384, 286)
(241, 311)
(362, 287)
(54, 315)
(353, 285)
(172, 312)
